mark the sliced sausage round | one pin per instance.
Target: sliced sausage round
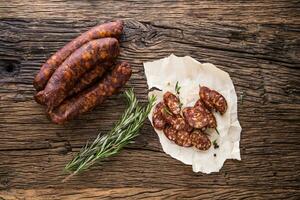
(183, 139)
(195, 117)
(200, 140)
(170, 132)
(213, 100)
(172, 102)
(157, 117)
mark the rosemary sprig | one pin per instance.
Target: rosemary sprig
(166, 111)
(177, 88)
(126, 129)
(215, 144)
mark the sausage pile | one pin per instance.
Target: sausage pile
(82, 74)
(186, 126)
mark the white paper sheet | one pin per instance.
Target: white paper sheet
(190, 73)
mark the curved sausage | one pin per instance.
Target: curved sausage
(213, 100)
(183, 139)
(111, 29)
(90, 77)
(172, 102)
(93, 96)
(170, 133)
(82, 60)
(157, 117)
(195, 118)
(200, 140)
(212, 123)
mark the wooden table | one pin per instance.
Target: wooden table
(257, 43)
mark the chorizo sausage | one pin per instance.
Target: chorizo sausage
(93, 96)
(172, 102)
(111, 29)
(170, 133)
(183, 139)
(176, 121)
(213, 100)
(195, 118)
(200, 140)
(212, 123)
(77, 64)
(157, 117)
(90, 77)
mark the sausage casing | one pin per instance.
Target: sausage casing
(77, 64)
(90, 77)
(213, 100)
(93, 96)
(111, 29)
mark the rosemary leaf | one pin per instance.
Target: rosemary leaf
(124, 131)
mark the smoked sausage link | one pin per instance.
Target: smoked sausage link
(74, 67)
(213, 100)
(111, 29)
(93, 96)
(90, 77)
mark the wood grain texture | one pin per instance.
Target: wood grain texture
(257, 43)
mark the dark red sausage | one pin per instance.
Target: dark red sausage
(183, 139)
(93, 96)
(176, 121)
(90, 77)
(213, 100)
(172, 102)
(77, 64)
(200, 140)
(157, 118)
(170, 133)
(212, 123)
(195, 118)
(111, 29)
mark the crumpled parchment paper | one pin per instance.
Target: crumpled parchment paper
(163, 74)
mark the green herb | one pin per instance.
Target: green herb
(215, 144)
(166, 111)
(125, 130)
(217, 131)
(242, 95)
(180, 105)
(177, 88)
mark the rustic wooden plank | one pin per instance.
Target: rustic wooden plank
(256, 42)
(149, 193)
(256, 11)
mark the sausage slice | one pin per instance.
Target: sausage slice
(213, 100)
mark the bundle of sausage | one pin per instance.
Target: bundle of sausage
(82, 74)
(188, 129)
